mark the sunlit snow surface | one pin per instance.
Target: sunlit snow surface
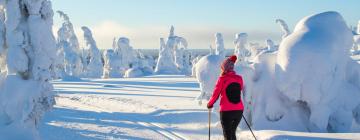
(155, 107)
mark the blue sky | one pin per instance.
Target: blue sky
(145, 21)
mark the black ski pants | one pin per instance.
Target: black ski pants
(229, 122)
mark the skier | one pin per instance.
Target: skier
(228, 88)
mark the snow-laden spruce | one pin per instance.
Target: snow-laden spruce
(270, 46)
(68, 44)
(25, 89)
(219, 45)
(125, 52)
(284, 27)
(174, 58)
(310, 84)
(241, 50)
(111, 66)
(94, 67)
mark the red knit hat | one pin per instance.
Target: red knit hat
(228, 64)
(233, 58)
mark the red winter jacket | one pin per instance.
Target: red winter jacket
(228, 87)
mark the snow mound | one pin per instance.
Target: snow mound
(130, 73)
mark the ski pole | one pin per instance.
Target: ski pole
(249, 127)
(209, 121)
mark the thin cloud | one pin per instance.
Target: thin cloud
(148, 37)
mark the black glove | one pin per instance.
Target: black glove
(209, 106)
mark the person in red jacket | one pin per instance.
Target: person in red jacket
(228, 88)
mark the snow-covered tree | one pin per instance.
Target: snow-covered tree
(358, 28)
(219, 45)
(26, 92)
(356, 46)
(284, 27)
(68, 41)
(211, 50)
(206, 69)
(125, 52)
(94, 67)
(270, 45)
(165, 62)
(109, 66)
(119, 60)
(171, 55)
(306, 86)
(114, 44)
(2, 37)
(241, 50)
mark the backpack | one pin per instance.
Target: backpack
(233, 92)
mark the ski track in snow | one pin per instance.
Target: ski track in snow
(157, 128)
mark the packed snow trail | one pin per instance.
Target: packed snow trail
(155, 107)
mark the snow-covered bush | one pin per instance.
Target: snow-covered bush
(142, 67)
(68, 42)
(219, 45)
(94, 68)
(25, 91)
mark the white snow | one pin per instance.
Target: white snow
(154, 107)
